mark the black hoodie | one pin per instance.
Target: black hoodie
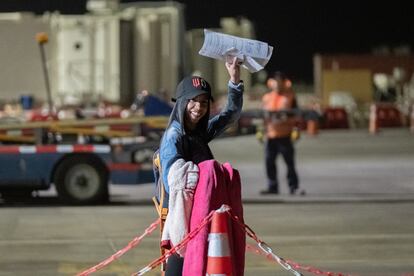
(192, 145)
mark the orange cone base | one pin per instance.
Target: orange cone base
(219, 266)
(312, 127)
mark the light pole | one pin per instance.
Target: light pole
(42, 39)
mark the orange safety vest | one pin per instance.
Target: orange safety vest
(278, 127)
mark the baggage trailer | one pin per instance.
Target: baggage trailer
(80, 158)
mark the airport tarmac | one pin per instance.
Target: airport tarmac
(355, 219)
(336, 165)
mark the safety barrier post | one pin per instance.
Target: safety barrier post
(219, 261)
(373, 119)
(412, 119)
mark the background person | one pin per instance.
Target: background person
(279, 123)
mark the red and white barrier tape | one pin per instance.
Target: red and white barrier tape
(268, 252)
(259, 251)
(121, 252)
(167, 254)
(265, 250)
(262, 245)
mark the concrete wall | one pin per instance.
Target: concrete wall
(21, 67)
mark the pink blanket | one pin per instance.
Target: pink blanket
(218, 184)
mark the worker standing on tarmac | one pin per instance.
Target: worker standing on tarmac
(279, 124)
(185, 140)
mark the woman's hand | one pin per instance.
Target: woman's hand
(233, 68)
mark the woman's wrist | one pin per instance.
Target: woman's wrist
(235, 82)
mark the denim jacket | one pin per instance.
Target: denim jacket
(193, 146)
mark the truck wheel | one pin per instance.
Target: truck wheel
(82, 180)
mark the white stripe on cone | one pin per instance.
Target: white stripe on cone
(218, 245)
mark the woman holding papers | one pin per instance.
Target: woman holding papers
(185, 144)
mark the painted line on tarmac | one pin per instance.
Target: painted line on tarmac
(74, 268)
(72, 241)
(339, 237)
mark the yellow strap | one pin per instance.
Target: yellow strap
(162, 211)
(157, 205)
(157, 161)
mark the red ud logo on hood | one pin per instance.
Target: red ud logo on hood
(197, 82)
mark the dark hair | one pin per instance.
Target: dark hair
(278, 75)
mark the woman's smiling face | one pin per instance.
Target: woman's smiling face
(196, 109)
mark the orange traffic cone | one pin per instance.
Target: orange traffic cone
(373, 119)
(312, 127)
(412, 119)
(219, 260)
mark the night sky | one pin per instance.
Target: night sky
(296, 29)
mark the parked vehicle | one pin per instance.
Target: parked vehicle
(79, 157)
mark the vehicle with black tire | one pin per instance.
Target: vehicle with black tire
(80, 169)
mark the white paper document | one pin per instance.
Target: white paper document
(252, 54)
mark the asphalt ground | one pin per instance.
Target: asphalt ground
(349, 238)
(355, 219)
(335, 165)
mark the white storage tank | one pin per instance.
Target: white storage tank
(86, 57)
(158, 46)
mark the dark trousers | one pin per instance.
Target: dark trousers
(283, 146)
(174, 265)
